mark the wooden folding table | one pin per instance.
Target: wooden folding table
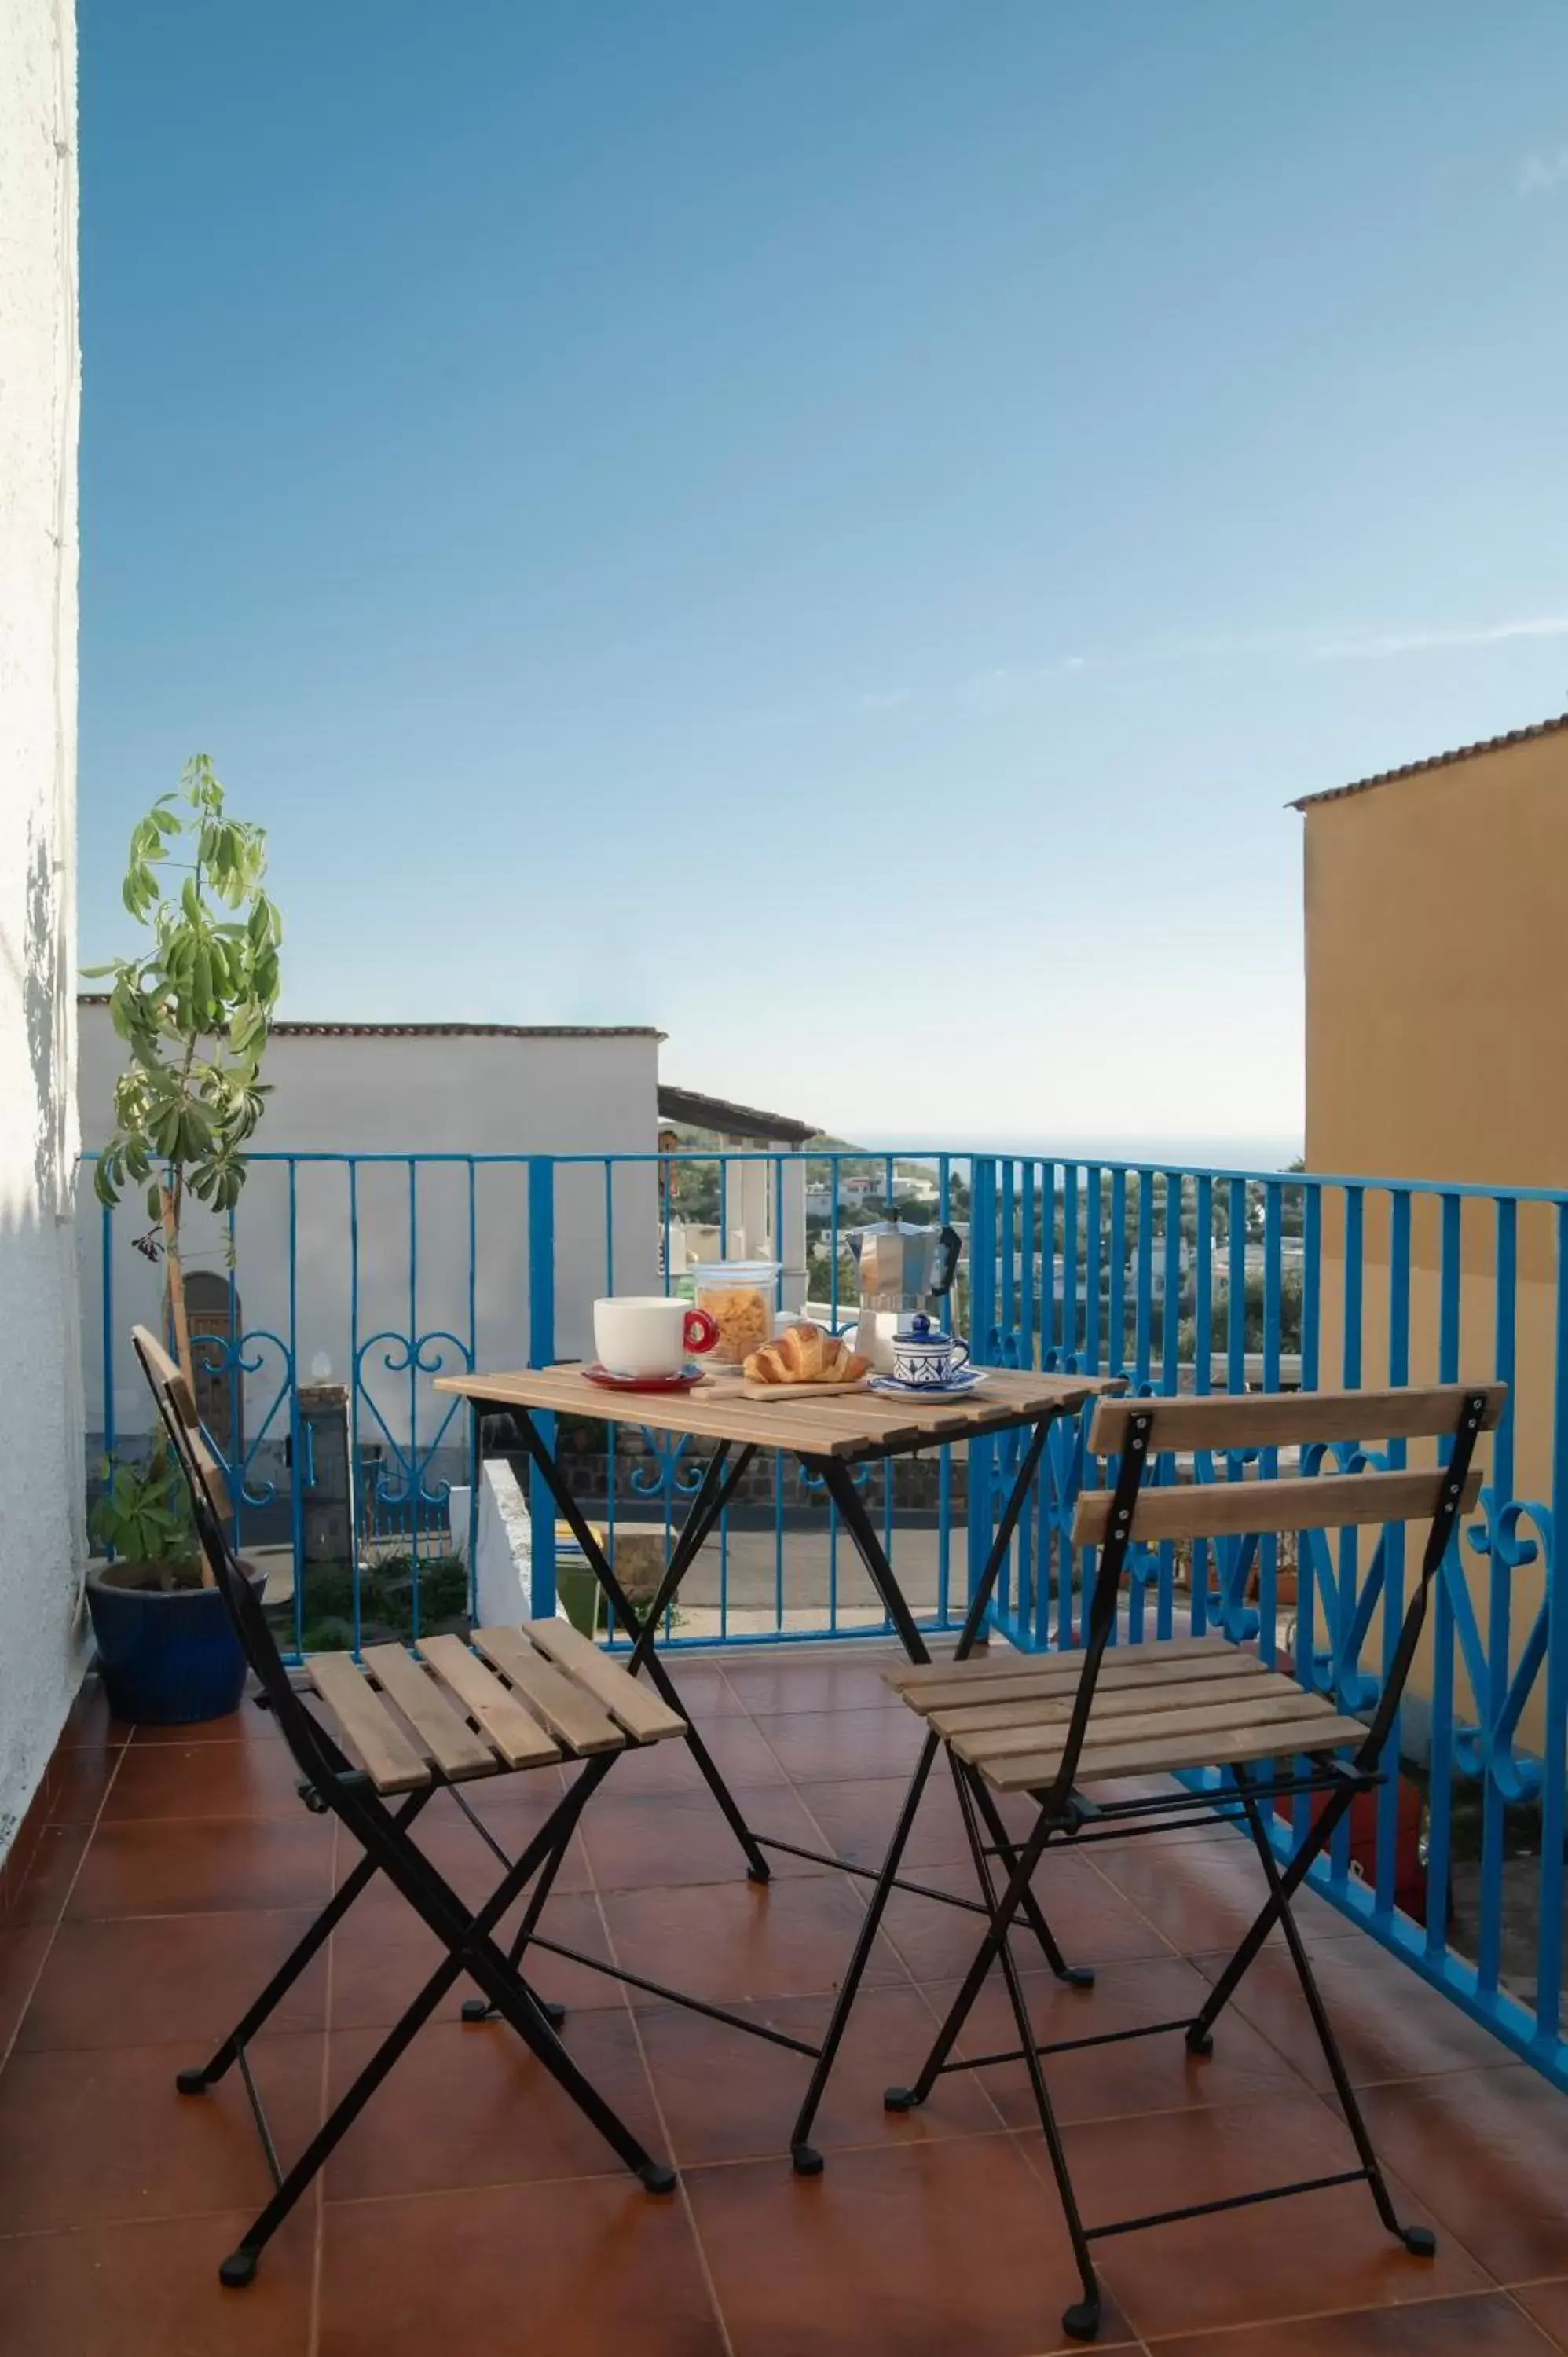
(830, 1436)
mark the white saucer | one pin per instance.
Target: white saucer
(960, 1388)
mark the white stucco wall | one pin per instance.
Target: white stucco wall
(40, 1418)
(441, 1093)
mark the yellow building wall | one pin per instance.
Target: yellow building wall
(1436, 911)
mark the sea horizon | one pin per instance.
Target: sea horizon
(1260, 1152)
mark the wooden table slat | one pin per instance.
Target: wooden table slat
(843, 1424)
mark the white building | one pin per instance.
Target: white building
(41, 1541)
(391, 1179)
(386, 1246)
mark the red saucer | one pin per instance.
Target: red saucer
(610, 1382)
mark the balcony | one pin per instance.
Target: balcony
(162, 1873)
(471, 2209)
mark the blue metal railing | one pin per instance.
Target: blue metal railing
(377, 1273)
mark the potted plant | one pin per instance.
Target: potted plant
(194, 1011)
(166, 1652)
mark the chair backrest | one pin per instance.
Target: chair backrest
(1134, 1432)
(209, 1491)
(177, 1401)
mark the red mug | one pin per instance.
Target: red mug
(700, 1331)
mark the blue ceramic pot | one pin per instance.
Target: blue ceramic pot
(166, 1660)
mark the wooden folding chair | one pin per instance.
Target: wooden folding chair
(1047, 1726)
(403, 1726)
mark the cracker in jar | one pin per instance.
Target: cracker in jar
(743, 1317)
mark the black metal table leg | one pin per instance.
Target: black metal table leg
(705, 1509)
(807, 2161)
(842, 1489)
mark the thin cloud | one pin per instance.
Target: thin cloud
(1421, 642)
(1008, 687)
(1539, 174)
(1001, 689)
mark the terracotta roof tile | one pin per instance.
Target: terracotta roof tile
(1434, 761)
(438, 1030)
(729, 1120)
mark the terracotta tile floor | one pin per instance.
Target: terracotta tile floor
(470, 2208)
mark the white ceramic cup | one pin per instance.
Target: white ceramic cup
(931, 1359)
(649, 1334)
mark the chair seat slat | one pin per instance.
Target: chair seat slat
(370, 1734)
(1030, 1772)
(1129, 1666)
(910, 1678)
(568, 1711)
(1282, 1701)
(511, 1727)
(436, 1724)
(1124, 1701)
(643, 1713)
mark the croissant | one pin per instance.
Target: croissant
(805, 1354)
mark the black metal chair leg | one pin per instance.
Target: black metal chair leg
(1075, 1976)
(479, 2008)
(1417, 2239)
(1081, 2319)
(197, 2081)
(1283, 1889)
(471, 1950)
(807, 2161)
(904, 2099)
(239, 2268)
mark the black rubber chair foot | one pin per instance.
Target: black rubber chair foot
(477, 2008)
(1082, 2320)
(898, 2099)
(759, 1874)
(553, 2014)
(192, 2083)
(805, 2160)
(239, 2268)
(1078, 1976)
(1201, 2041)
(655, 2177)
(1419, 2241)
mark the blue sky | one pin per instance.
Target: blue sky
(833, 527)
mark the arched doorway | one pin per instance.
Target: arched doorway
(212, 1307)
